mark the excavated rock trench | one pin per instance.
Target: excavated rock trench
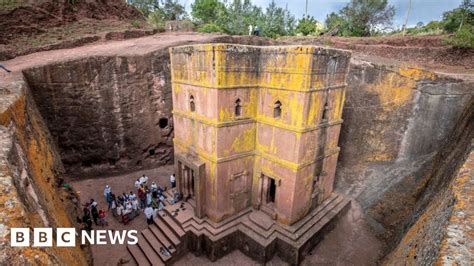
(405, 134)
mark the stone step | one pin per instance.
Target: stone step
(161, 237)
(156, 245)
(168, 194)
(321, 208)
(268, 210)
(138, 255)
(262, 220)
(166, 202)
(149, 252)
(321, 217)
(177, 229)
(161, 224)
(317, 227)
(192, 202)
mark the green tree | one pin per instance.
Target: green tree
(173, 10)
(160, 10)
(307, 25)
(208, 11)
(362, 17)
(277, 21)
(464, 38)
(145, 6)
(210, 28)
(455, 19)
(240, 14)
(461, 22)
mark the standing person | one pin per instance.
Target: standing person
(107, 191)
(257, 31)
(148, 196)
(149, 214)
(154, 186)
(155, 201)
(173, 181)
(102, 221)
(119, 210)
(110, 198)
(114, 205)
(125, 197)
(132, 196)
(250, 29)
(129, 210)
(143, 180)
(135, 206)
(86, 219)
(137, 183)
(142, 197)
(94, 212)
(4, 68)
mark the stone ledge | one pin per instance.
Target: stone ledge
(241, 232)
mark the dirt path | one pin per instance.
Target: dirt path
(136, 46)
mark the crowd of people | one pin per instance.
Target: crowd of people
(149, 198)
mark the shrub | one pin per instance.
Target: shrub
(463, 38)
(136, 24)
(157, 21)
(209, 28)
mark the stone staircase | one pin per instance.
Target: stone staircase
(162, 243)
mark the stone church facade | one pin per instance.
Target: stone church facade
(257, 127)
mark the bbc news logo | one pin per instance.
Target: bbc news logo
(66, 237)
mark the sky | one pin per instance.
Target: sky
(422, 10)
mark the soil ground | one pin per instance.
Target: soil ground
(337, 248)
(29, 26)
(423, 51)
(71, 35)
(393, 55)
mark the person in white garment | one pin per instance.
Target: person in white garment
(143, 180)
(149, 214)
(173, 181)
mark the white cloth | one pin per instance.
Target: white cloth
(143, 179)
(148, 198)
(135, 204)
(137, 184)
(107, 190)
(119, 210)
(148, 212)
(154, 186)
(172, 178)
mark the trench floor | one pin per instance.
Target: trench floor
(350, 243)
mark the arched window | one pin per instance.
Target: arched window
(325, 116)
(277, 109)
(238, 108)
(192, 105)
